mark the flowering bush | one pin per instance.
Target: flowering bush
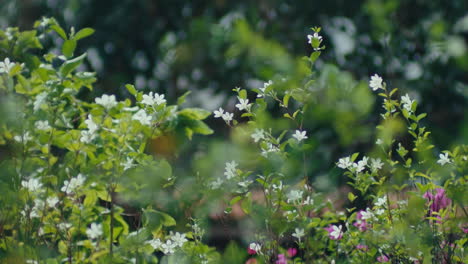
(80, 187)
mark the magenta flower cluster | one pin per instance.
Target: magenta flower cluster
(437, 202)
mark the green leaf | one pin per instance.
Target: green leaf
(235, 200)
(195, 113)
(243, 94)
(314, 56)
(246, 204)
(155, 220)
(286, 100)
(59, 31)
(351, 196)
(354, 156)
(83, 33)
(70, 65)
(182, 98)
(68, 48)
(131, 89)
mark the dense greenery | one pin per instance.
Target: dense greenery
(198, 132)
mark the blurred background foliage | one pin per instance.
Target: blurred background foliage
(210, 47)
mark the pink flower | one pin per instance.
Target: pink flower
(382, 258)
(438, 201)
(362, 247)
(334, 232)
(251, 261)
(361, 224)
(281, 259)
(292, 252)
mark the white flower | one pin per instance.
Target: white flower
(94, 231)
(230, 169)
(379, 141)
(155, 243)
(218, 113)
(159, 99)
(298, 233)
(24, 138)
(142, 117)
(39, 101)
(87, 136)
(227, 116)
(6, 66)
(269, 148)
(128, 164)
(360, 165)
(244, 184)
(93, 127)
(150, 99)
(32, 185)
(278, 187)
(344, 163)
(107, 101)
(256, 247)
(376, 164)
(300, 135)
(74, 183)
(444, 159)
(178, 238)
(294, 196)
(243, 104)
(315, 36)
(336, 232)
(52, 201)
(376, 82)
(258, 135)
(308, 201)
(381, 202)
(265, 86)
(367, 214)
(216, 184)
(64, 226)
(42, 125)
(407, 102)
(168, 247)
(379, 211)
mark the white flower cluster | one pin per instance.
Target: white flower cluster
(71, 186)
(153, 99)
(26, 137)
(230, 170)
(6, 66)
(294, 196)
(88, 135)
(32, 185)
(42, 125)
(176, 240)
(407, 103)
(226, 116)
(263, 90)
(107, 101)
(269, 149)
(346, 163)
(142, 117)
